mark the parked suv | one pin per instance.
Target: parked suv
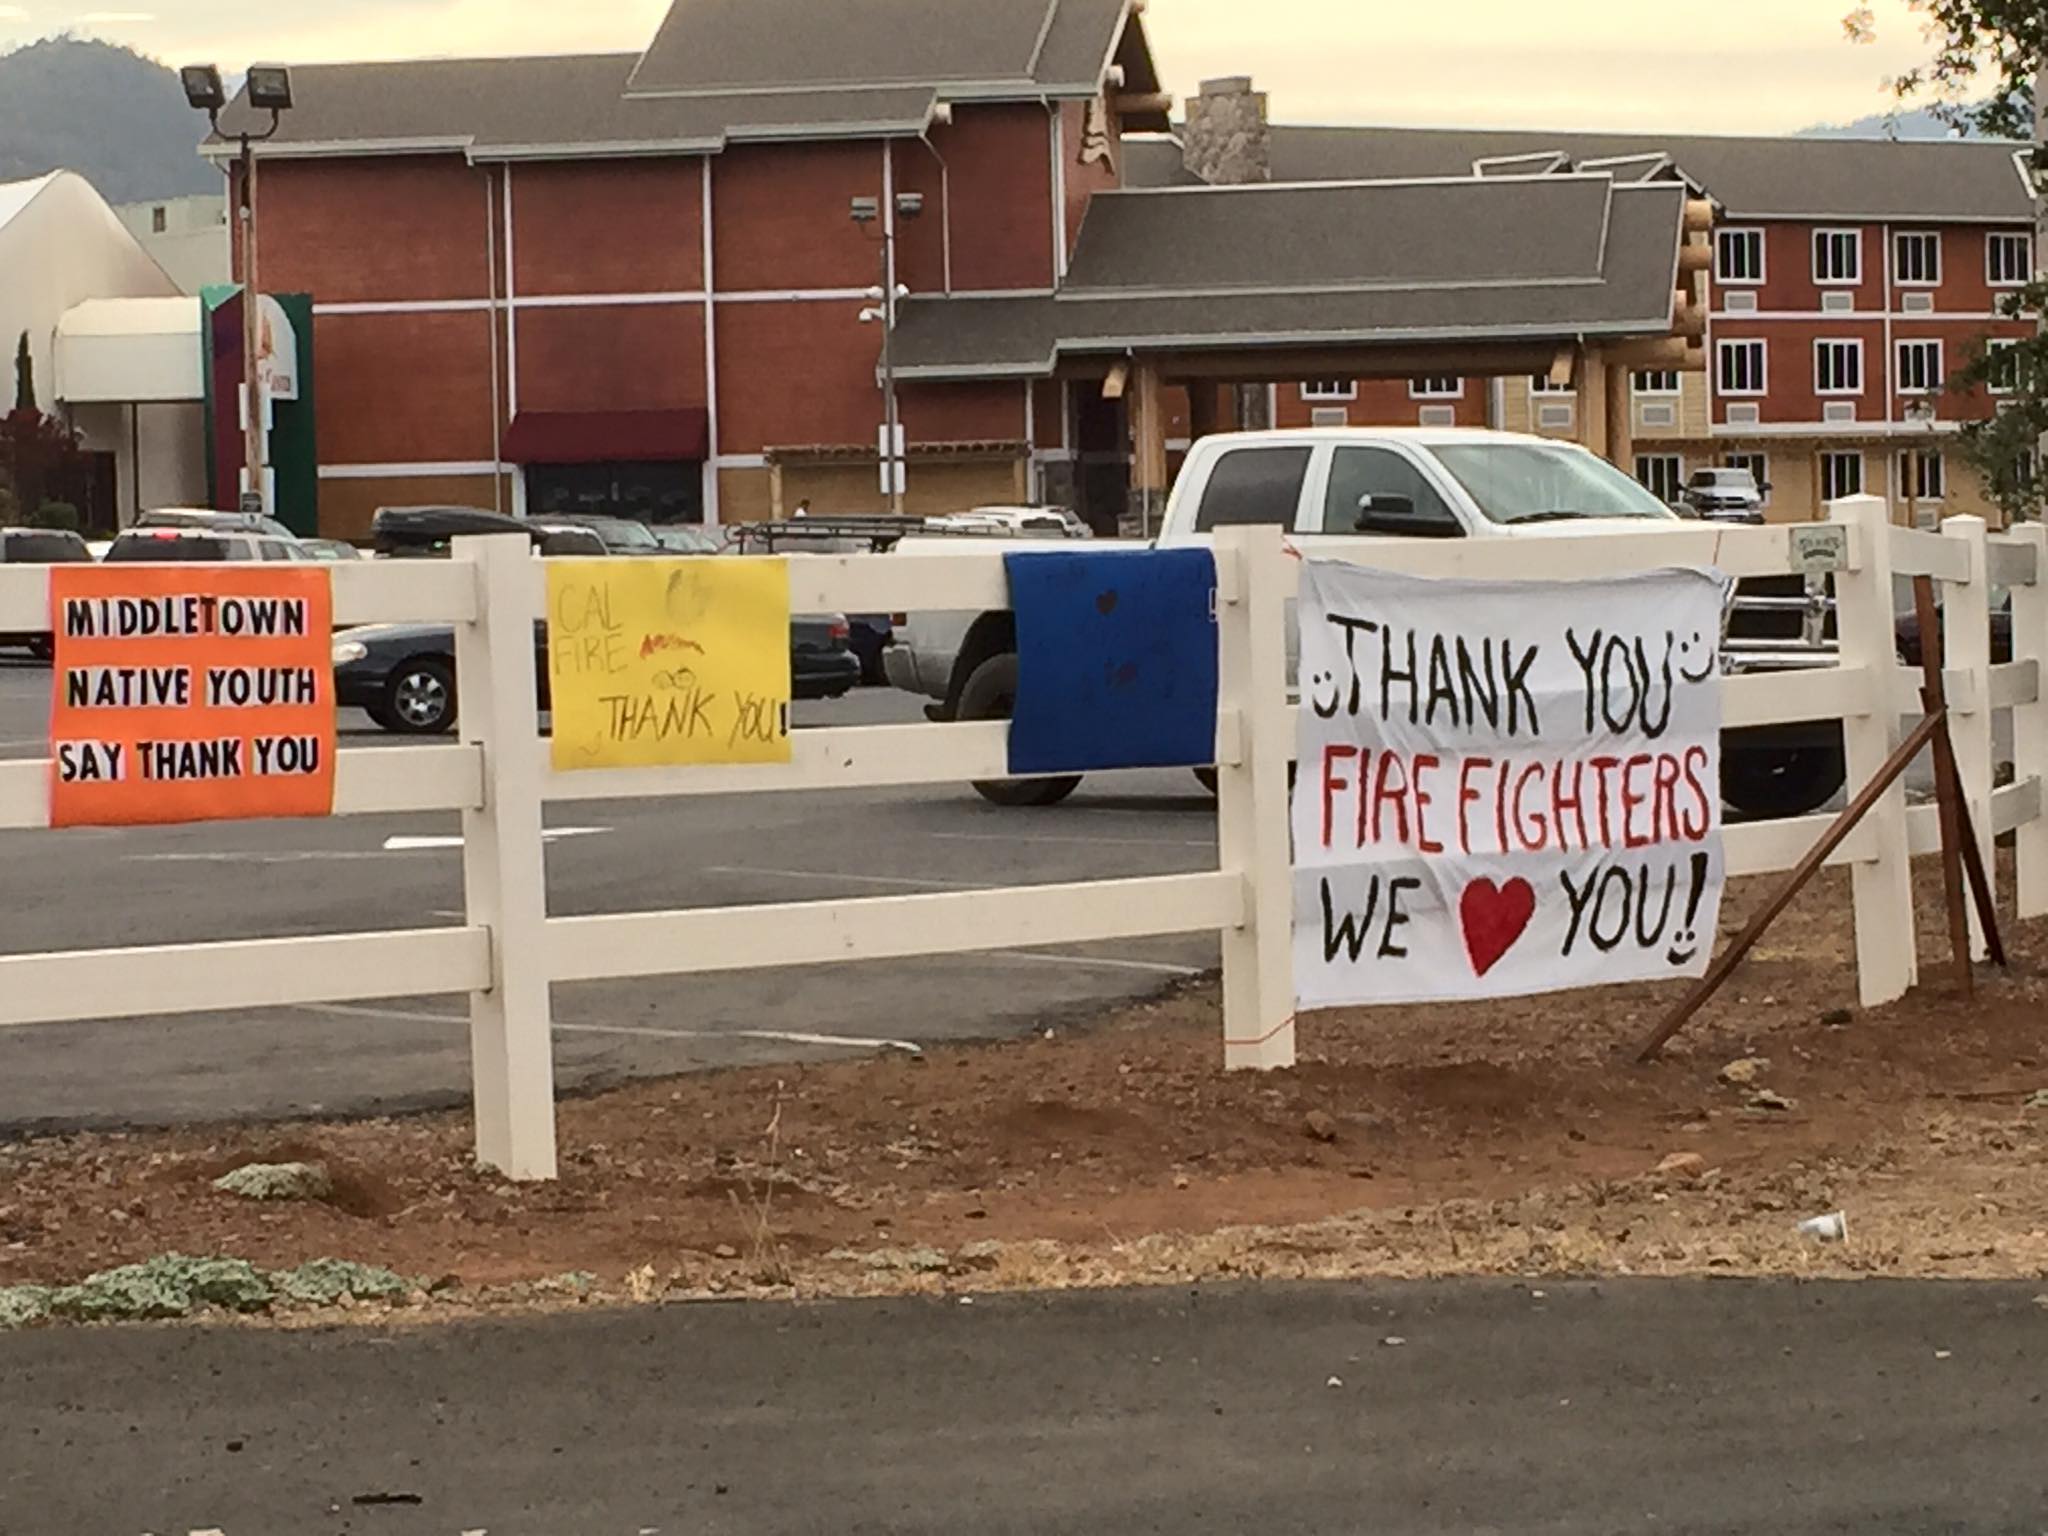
(39, 546)
(1725, 496)
(181, 545)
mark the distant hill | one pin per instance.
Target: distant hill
(117, 118)
(1917, 124)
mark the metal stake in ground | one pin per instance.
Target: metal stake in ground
(1795, 881)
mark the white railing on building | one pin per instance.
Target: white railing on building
(507, 954)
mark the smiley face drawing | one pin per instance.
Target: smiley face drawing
(1316, 685)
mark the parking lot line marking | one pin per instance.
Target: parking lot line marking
(436, 844)
(383, 1015)
(1105, 962)
(1041, 837)
(782, 1036)
(825, 874)
(251, 856)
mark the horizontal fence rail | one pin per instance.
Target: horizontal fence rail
(507, 953)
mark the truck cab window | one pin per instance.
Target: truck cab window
(1253, 485)
(1381, 472)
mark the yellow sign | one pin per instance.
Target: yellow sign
(653, 662)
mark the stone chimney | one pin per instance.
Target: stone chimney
(1227, 141)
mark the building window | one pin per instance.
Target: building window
(1922, 474)
(1838, 256)
(1436, 389)
(1739, 256)
(1329, 389)
(159, 219)
(1662, 474)
(1841, 474)
(1838, 367)
(2003, 360)
(1662, 382)
(2009, 260)
(1916, 259)
(1919, 367)
(1543, 384)
(1741, 370)
(1759, 467)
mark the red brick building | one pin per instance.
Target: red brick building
(636, 280)
(1851, 280)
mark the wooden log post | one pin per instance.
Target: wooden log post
(1593, 400)
(1621, 433)
(1148, 446)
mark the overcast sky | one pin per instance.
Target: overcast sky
(1731, 65)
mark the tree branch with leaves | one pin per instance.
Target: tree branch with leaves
(1987, 55)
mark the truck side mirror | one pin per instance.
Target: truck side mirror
(1390, 514)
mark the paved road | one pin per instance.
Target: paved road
(1724, 1407)
(92, 889)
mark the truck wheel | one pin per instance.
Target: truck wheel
(990, 694)
(1771, 784)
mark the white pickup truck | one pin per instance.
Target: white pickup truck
(1332, 485)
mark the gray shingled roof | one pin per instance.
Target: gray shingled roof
(722, 70)
(494, 108)
(1755, 178)
(713, 46)
(1224, 268)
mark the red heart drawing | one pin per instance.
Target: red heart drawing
(1495, 916)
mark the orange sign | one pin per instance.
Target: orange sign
(190, 693)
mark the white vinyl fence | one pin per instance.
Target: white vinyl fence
(508, 953)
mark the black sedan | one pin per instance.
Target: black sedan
(403, 675)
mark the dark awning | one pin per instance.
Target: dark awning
(601, 437)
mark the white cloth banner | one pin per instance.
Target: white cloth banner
(1505, 787)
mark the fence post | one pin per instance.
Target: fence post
(2030, 721)
(504, 875)
(1966, 632)
(1254, 577)
(1887, 959)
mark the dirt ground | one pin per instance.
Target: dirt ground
(1502, 1137)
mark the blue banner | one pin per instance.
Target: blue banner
(1116, 659)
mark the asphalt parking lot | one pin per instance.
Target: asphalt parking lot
(88, 889)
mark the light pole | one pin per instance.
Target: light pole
(867, 211)
(269, 90)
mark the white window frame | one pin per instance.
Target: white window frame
(1912, 465)
(1722, 347)
(1676, 461)
(1319, 391)
(1837, 391)
(2026, 243)
(1939, 378)
(1932, 238)
(1427, 389)
(1758, 465)
(1540, 384)
(1862, 473)
(1995, 344)
(1823, 239)
(1656, 391)
(1748, 233)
